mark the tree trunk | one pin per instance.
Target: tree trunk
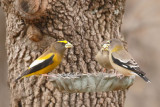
(30, 30)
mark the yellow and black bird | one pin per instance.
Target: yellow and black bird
(48, 61)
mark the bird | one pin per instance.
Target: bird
(48, 61)
(102, 57)
(122, 61)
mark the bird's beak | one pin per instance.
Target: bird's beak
(105, 47)
(68, 45)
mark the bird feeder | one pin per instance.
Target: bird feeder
(90, 82)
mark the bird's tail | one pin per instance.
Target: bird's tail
(18, 78)
(22, 75)
(145, 78)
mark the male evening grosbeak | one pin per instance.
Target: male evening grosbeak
(121, 60)
(48, 61)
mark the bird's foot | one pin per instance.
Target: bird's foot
(49, 76)
(114, 71)
(111, 71)
(107, 70)
(104, 70)
(45, 75)
(120, 76)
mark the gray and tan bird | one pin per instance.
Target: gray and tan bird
(121, 60)
(48, 61)
(102, 58)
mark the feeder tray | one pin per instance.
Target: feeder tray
(90, 82)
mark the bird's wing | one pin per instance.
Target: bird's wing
(39, 64)
(41, 59)
(124, 59)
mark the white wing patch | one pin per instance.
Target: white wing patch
(36, 62)
(124, 66)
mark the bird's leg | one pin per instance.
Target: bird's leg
(104, 69)
(37, 75)
(118, 75)
(50, 75)
(45, 75)
(110, 71)
(114, 71)
(107, 70)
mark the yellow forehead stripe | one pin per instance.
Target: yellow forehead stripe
(64, 41)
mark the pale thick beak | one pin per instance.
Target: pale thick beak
(105, 47)
(68, 45)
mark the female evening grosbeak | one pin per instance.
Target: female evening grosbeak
(121, 60)
(48, 60)
(102, 58)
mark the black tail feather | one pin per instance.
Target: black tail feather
(23, 74)
(145, 78)
(18, 78)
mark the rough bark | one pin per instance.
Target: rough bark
(85, 23)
